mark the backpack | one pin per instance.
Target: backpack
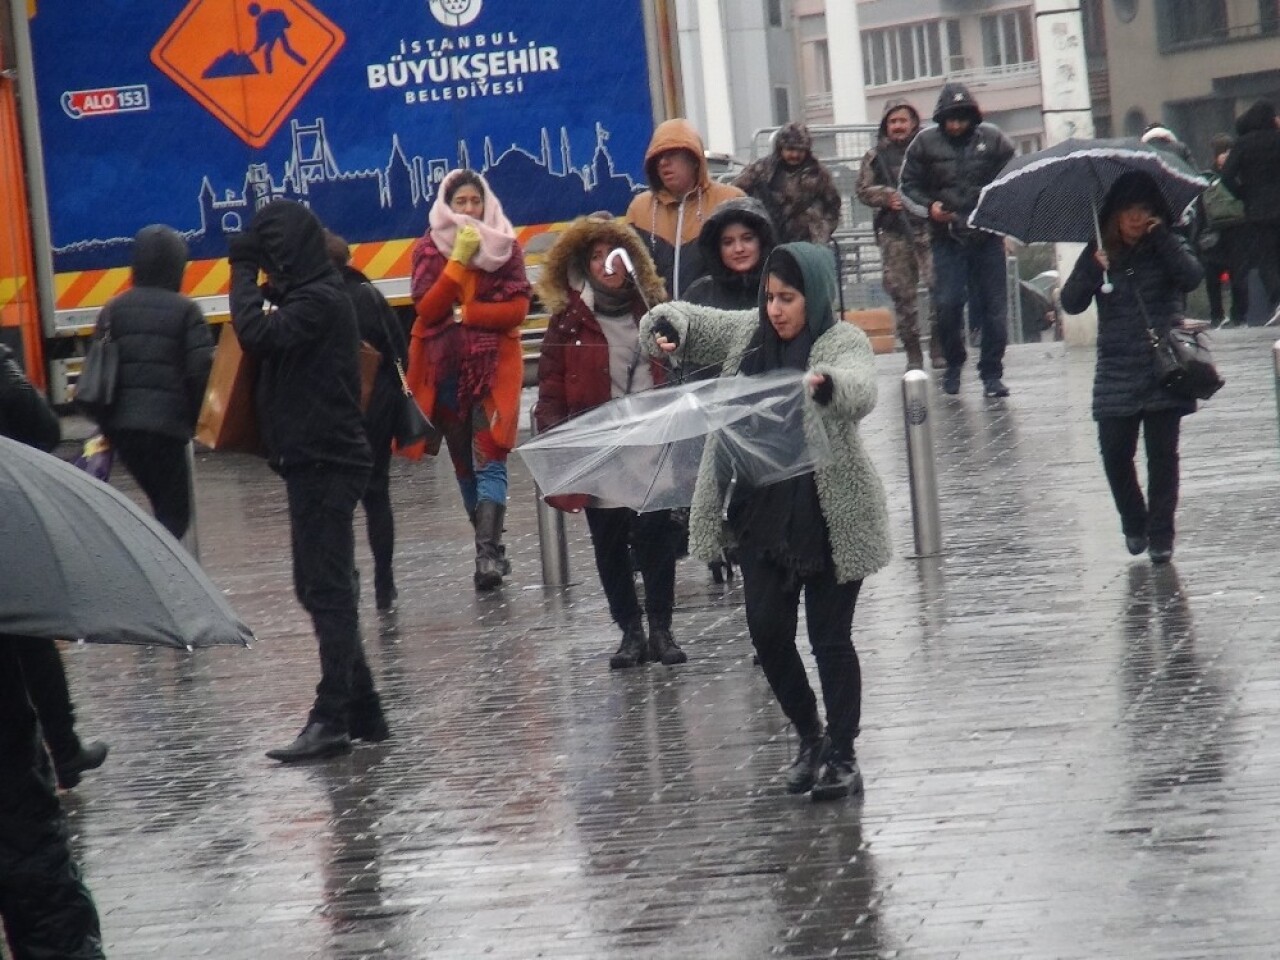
(1221, 206)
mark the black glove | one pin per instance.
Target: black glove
(243, 248)
(823, 391)
(666, 329)
(271, 292)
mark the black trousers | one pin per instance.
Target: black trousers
(1229, 254)
(655, 538)
(379, 521)
(44, 905)
(46, 680)
(159, 464)
(322, 503)
(1264, 245)
(1118, 440)
(773, 598)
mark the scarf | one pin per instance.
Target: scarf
(497, 236)
(609, 301)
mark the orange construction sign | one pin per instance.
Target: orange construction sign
(248, 62)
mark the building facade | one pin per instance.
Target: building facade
(1193, 65)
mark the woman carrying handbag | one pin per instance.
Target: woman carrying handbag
(1151, 270)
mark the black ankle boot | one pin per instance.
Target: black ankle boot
(634, 648)
(839, 776)
(803, 771)
(662, 647)
(88, 756)
(489, 560)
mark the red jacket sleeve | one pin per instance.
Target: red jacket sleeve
(552, 406)
(437, 303)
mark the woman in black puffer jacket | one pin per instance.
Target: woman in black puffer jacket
(165, 353)
(1151, 269)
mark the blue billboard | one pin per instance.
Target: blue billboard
(195, 113)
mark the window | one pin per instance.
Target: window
(1095, 29)
(1007, 38)
(909, 52)
(781, 106)
(1192, 21)
(1269, 16)
(1027, 144)
(822, 65)
(773, 11)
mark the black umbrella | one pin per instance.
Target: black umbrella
(79, 561)
(1053, 195)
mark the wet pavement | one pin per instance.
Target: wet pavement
(1068, 752)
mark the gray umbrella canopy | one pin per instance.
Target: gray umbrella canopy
(79, 561)
(643, 450)
(1054, 195)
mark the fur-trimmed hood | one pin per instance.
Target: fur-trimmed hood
(564, 268)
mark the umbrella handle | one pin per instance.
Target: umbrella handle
(1107, 285)
(728, 495)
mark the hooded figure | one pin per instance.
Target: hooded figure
(591, 354)
(681, 195)
(796, 189)
(723, 286)
(905, 257)
(1152, 269)
(819, 533)
(1251, 174)
(943, 172)
(165, 352)
(308, 400)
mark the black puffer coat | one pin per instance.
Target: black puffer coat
(1252, 170)
(308, 392)
(953, 170)
(1161, 269)
(163, 341)
(721, 287)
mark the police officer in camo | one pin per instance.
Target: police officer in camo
(903, 239)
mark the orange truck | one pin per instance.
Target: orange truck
(195, 113)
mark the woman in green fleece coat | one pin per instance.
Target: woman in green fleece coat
(821, 533)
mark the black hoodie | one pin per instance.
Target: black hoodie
(953, 170)
(721, 287)
(308, 390)
(1252, 170)
(163, 341)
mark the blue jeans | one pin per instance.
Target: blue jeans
(973, 270)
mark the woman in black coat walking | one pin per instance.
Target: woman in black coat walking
(735, 241)
(1151, 269)
(379, 327)
(165, 353)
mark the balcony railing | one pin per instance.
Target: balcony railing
(1004, 72)
(818, 109)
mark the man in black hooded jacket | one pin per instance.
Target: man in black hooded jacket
(1252, 173)
(308, 403)
(943, 172)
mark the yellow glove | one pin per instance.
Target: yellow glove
(465, 244)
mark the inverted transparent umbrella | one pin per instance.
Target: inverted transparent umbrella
(643, 451)
(80, 561)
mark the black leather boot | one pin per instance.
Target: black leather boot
(803, 772)
(839, 776)
(634, 649)
(489, 517)
(662, 646)
(88, 756)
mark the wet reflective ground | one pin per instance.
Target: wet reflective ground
(1068, 753)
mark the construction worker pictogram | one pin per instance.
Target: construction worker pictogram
(248, 62)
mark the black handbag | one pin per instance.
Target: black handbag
(99, 374)
(1182, 359)
(412, 426)
(1184, 364)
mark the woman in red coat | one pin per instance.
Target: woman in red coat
(465, 363)
(591, 354)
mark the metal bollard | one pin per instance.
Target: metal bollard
(552, 542)
(923, 476)
(1275, 358)
(191, 540)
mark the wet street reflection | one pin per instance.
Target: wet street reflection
(1068, 753)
